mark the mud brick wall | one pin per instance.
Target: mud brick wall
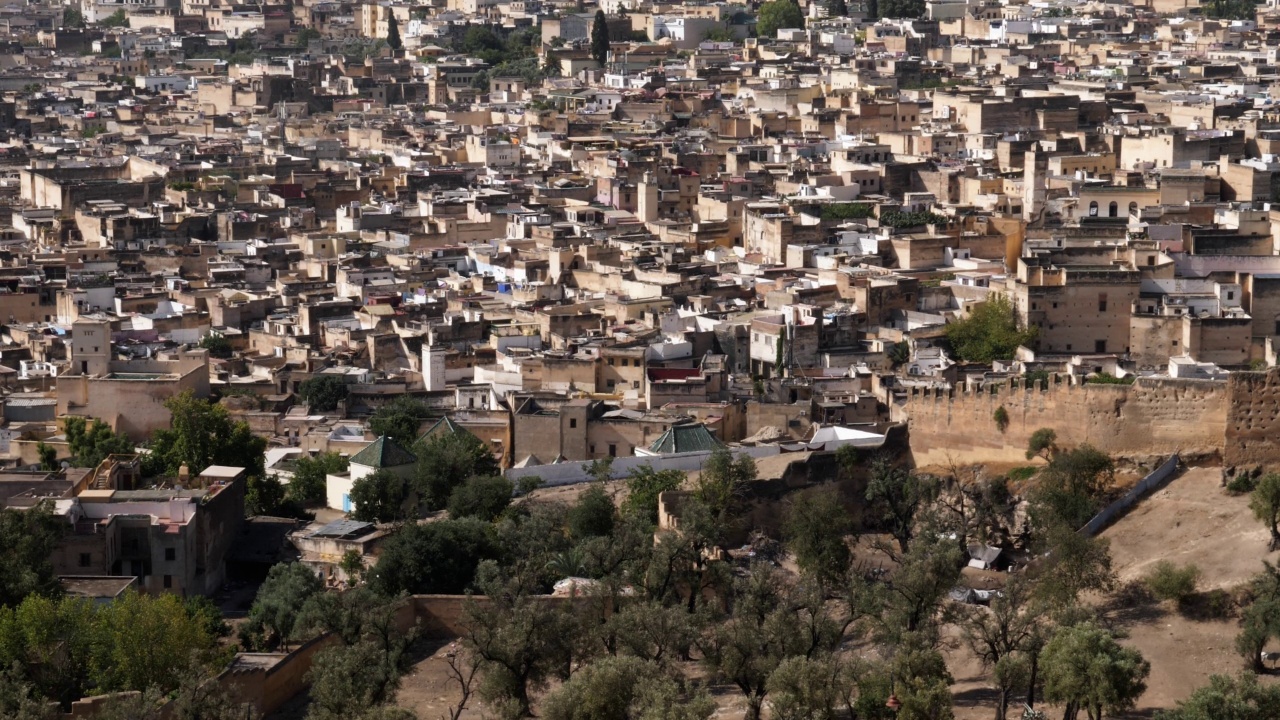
(1150, 417)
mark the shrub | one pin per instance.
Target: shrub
(1170, 582)
(1241, 484)
(1001, 416)
(1021, 474)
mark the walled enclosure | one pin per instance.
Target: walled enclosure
(1152, 417)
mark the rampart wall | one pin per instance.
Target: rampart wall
(1152, 417)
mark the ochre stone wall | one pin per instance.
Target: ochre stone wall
(1253, 420)
(1154, 416)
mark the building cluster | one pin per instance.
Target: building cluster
(700, 235)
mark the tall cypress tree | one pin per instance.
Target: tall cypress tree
(600, 38)
(393, 32)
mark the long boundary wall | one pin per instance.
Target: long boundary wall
(1152, 417)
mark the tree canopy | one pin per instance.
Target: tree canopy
(776, 15)
(322, 393)
(989, 333)
(600, 38)
(90, 444)
(27, 540)
(436, 557)
(203, 434)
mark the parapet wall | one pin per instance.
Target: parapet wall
(1154, 416)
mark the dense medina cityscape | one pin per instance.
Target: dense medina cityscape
(635, 360)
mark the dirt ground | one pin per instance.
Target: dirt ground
(1191, 520)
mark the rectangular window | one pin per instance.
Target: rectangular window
(85, 560)
(170, 554)
(1102, 302)
(168, 581)
(573, 423)
(613, 450)
(1100, 346)
(1231, 295)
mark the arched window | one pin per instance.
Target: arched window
(1114, 208)
(1093, 209)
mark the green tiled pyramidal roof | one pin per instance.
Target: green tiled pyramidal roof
(693, 437)
(383, 453)
(444, 426)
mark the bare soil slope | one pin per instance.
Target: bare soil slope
(1191, 520)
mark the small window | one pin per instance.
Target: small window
(1102, 302)
(610, 362)
(1231, 294)
(613, 450)
(168, 581)
(1100, 346)
(1151, 260)
(573, 423)
(1055, 306)
(170, 554)
(85, 560)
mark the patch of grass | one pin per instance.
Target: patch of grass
(1022, 474)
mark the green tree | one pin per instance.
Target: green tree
(305, 36)
(600, 38)
(761, 632)
(989, 333)
(382, 496)
(1075, 563)
(1264, 501)
(776, 15)
(838, 8)
(896, 495)
(217, 345)
(48, 457)
(54, 639)
(483, 498)
(203, 434)
(393, 32)
(1086, 669)
(322, 393)
(723, 481)
(73, 18)
(815, 529)
(1005, 636)
(644, 485)
(445, 461)
(348, 681)
(274, 612)
(900, 8)
(1072, 488)
(90, 444)
(804, 688)
(117, 19)
(520, 642)
(1170, 582)
(1260, 621)
(399, 419)
(1226, 698)
(143, 642)
(593, 514)
(624, 688)
(27, 540)
(1043, 443)
(19, 699)
(1231, 9)
(307, 486)
(433, 558)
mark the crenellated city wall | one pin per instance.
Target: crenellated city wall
(1152, 417)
